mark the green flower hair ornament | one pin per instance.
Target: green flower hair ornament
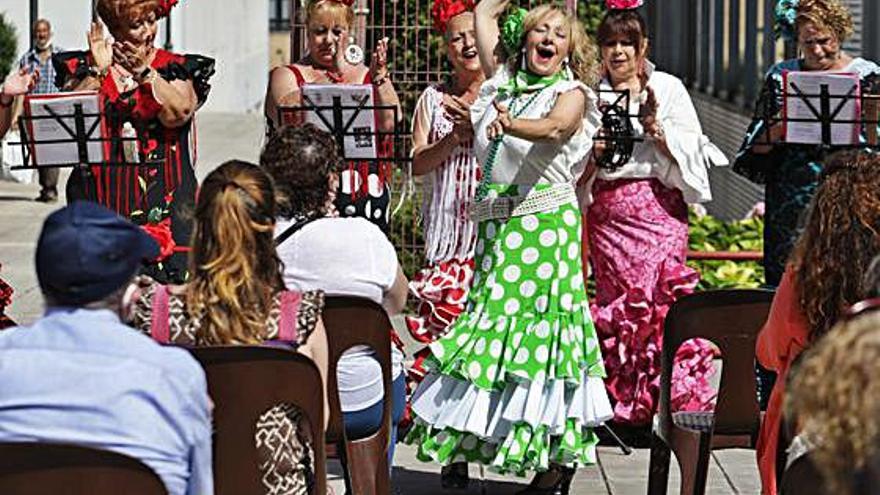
(785, 17)
(512, 29)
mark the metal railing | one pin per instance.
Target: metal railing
(720, 47)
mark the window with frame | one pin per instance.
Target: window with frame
(279, 15)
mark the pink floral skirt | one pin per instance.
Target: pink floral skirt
(638, 232)
(441, 290)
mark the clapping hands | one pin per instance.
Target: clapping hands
(459, 112)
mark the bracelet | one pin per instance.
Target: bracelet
(150, 78)
(100, 74)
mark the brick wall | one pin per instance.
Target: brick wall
(725, 125)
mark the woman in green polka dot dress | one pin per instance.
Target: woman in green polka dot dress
(516, 384)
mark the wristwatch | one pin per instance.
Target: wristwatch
(147, 76)
(94, 71)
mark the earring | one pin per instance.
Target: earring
(522, 58)
(354, 54)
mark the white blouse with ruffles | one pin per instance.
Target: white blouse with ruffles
(524, 162)
(692, 151)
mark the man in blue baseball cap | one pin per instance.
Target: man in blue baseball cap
(80, 375)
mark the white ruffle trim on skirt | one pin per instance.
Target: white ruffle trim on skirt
(446, 402)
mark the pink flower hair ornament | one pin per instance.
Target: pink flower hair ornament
(623, 4)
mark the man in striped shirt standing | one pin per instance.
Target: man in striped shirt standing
(39, 58)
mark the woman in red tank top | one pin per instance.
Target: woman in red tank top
(330, 60)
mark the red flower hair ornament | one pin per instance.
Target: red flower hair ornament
(623, 4)
(444, 10)
(165, 7)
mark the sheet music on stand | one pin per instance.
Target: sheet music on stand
(62, 129)
(68, 130)
(355, 99)
(350, 116)
(826, 110)
(822, 108)
(348, 112)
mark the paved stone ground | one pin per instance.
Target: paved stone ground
(224, 137)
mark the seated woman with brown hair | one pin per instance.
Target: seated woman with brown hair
(236, 296)
(822, 279)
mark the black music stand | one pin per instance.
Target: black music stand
(79, 132)
(333, 117)
(826, 114)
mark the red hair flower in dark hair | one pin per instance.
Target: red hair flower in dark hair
(165, 7)
(443, 10)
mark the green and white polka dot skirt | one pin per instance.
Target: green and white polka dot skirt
(516, 383)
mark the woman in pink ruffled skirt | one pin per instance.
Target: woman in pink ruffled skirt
(638, 228)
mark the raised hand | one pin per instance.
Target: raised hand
(339, 59)
(20, 82)
(379, 64)
(99, 47)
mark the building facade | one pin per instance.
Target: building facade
(234, 32)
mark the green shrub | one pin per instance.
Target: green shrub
(8, 46)
(707, 233)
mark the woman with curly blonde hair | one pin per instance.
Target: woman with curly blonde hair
(526, 345)
(823, 278)
(838, 415)
(790, 171)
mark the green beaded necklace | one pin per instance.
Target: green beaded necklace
(495, 145)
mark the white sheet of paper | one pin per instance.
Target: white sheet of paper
(50, 129)
(809, 83)
(361, 145)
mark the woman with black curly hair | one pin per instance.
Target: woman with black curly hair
(822, 279)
